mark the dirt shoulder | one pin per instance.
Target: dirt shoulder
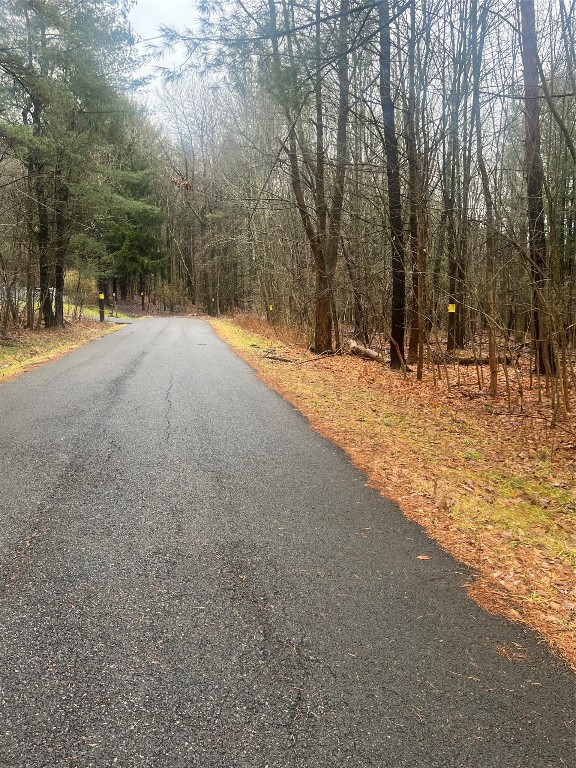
(26, 350)
(495, 489)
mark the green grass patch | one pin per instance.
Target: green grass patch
(471, 455)
(91, 312)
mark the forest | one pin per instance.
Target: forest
(396, 175)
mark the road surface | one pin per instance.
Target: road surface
(191, 578)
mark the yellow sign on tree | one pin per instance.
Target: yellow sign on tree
(451, 307)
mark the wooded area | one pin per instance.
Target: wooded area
(399, 174)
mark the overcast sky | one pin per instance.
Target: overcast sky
(148, 15)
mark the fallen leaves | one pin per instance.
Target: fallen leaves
(512, 652)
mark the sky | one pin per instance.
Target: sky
(147, 16)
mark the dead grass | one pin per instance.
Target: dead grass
(25, 350)
(495, 489)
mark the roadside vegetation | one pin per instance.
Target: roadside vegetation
(494, 487)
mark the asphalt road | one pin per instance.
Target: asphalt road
(191, 578)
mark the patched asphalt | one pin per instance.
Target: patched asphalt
(192, 578)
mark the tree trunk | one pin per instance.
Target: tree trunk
(394, 192)
(416, 339)
(478, 37)
(62, 237)
(534, 183)
(333, 241)
(43, 239)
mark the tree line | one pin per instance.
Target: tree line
(402, 173)
(77, 179)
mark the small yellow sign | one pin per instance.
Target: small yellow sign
(270, 308)
(451, 307)
(101, 296)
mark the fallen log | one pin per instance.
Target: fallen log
(449, 358)
(482, 360)
(362, 351)
(279, 359)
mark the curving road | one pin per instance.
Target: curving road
(191, 578)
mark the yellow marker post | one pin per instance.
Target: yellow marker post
(101, 306)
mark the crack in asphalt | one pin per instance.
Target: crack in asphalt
(12, 569)
(281, 653)
(167, 415)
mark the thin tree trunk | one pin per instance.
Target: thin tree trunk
(62, 237)
(449, 213)
(478, 38)
(535, 182)
(342, 160)
(43, 238)
(30, 267)
(397, 329)
(416, 340)
(37, 176)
